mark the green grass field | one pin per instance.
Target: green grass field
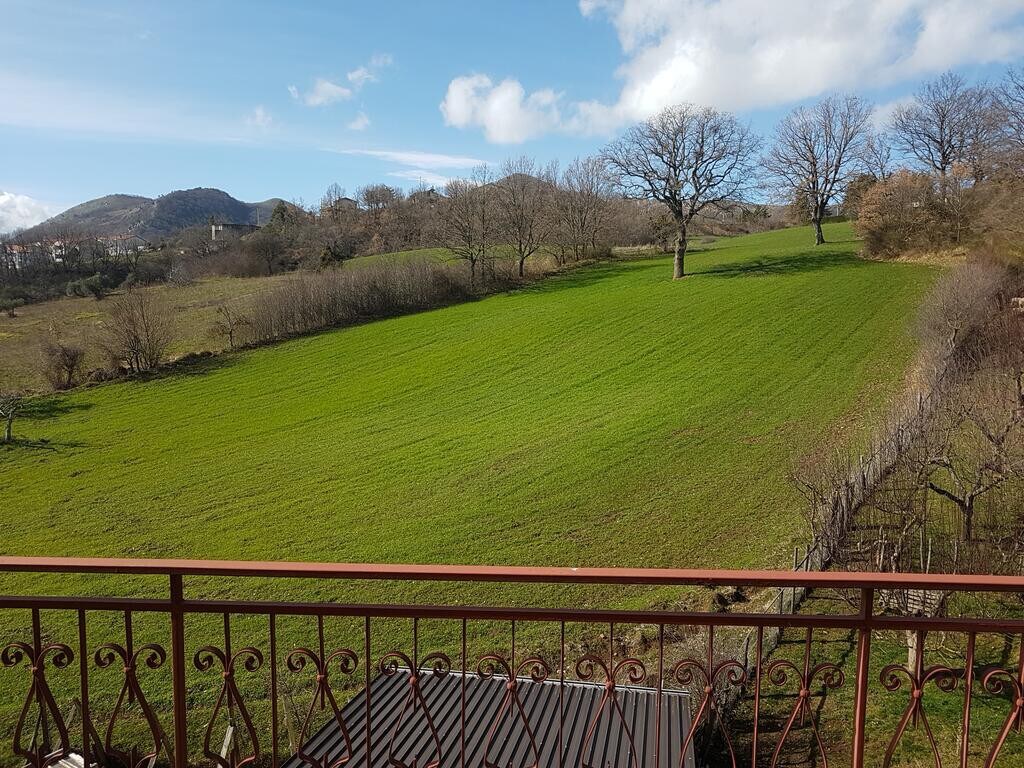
(607, 416)
(610, 415)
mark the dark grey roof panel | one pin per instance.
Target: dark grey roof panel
(542, 702)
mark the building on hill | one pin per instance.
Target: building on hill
(220, 230)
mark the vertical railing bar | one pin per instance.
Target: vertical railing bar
(323, 656)
(512, 661)
(83, 668)
(129, 645)
(462, 713)
(178, 670)
(273, 690)
(37, 642)
(561, 698)
(965, 743)
(369, 684)
(1020, 680)
(415, 645)
(867, 598)
(658, 701)
(757, 696)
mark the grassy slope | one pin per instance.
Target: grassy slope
(81, 320)
(608, 416)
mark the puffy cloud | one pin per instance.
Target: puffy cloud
(505, 111)
(322, 93)
(19, 211)
(359, 123)
(749, 54)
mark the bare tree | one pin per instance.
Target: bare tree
(688, 158)
(583, 203)
(61, 362)
(229, 324)
(877, 156)
(947, 122)
(267, 246)
(139, 332)
(523, 203)
(816, 151)
(467, 220)
(10, 404)
(1010, 97)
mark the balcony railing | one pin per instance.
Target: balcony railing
(182, 680)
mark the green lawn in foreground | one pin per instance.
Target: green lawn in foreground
(609, 416)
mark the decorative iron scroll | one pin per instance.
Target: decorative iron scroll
(827, 674)
(229, 701)
(439, 665)
(538, 671)
(39, 694)
(635, 672)
(131, 691)
(347, 662)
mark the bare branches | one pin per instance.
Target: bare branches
(687, 158)
(816, 151)
(524, 201)
(10, 405)
(139, 332)
(468, 226)
(947, 122)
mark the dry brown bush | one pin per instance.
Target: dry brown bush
(312, 301)
(139, 332)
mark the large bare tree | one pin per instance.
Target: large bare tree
(524, 200)
(1010, 96)
(467, 219)
(689, 158)
(816, 152)
(583, 203)
(947, 122)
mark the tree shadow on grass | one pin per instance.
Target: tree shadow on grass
(798, 263)
(592, 274)
(50, 407)
(39, 445)
(199, 364)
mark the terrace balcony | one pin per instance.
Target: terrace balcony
(182, 671)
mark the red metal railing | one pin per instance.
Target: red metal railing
(729, 685)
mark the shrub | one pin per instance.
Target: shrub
(9, 306)
(899, 214)
(312, 301)
(61, 363)
(139, 332)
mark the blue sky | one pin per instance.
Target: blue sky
(266, 99)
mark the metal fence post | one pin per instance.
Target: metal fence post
(867, 599)
(178, 672)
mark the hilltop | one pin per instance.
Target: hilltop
(156, 218)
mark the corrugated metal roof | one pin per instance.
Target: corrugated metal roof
(511, 745)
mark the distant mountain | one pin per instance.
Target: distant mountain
(156, 219)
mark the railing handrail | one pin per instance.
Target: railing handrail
(527, 574)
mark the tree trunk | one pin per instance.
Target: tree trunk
(678, 264)
(9, 429)
(819, 236)
(521, 262)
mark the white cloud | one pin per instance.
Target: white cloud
(369, 73)
(748, 54)
(322, 93)
(507, 114)
(19, 211)
(359, 123)
(360, 76)
(883, 112)
(420, 176)
(416, 159)
(259, 118)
